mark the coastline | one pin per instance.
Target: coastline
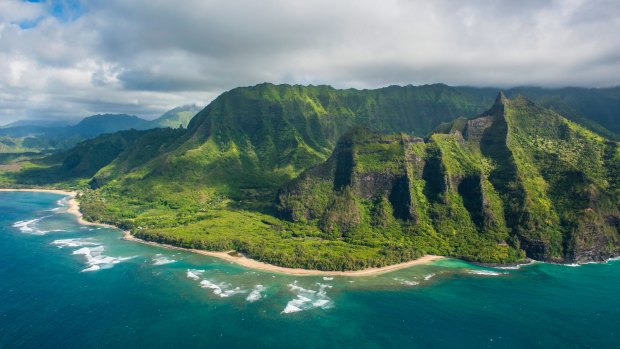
(74, 209)
(254, 264)
(74, 205)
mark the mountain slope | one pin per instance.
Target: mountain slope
(518, 174)
(256, 138)
(88, 157)
(177, 117)
(597, 109)
(33, 136)
(555, 178)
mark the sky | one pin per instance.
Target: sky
(67, 59)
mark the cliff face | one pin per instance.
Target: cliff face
(365, 166)
(516, 180)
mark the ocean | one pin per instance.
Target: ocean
(64, 285)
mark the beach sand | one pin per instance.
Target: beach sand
(235, 257)
(232, 256)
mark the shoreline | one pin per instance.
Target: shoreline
(74, 209)
(254, 264)
(74, 205)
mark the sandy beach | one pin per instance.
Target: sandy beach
(231, 256)
(235, 257)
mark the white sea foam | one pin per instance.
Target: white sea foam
(194, 274)
(43, 232)
(407, 282)
(510, 267)
(29, 226)
(328, 278)
(62, 203)
(295, 287)
(96, 260)
(222, 289)
(486, 272)
(307, 299)
(428, 276)
(296, 305)
(160, 259)
(256, 293)
(320, 303)
(77, 242)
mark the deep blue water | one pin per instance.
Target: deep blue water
(147, 297)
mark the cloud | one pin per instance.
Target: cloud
(78, 58)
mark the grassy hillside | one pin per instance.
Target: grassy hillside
(176, 118)
(598, 109)
(42, 135)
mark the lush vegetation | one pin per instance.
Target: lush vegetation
(176, 118)
(28, 138)
(289, 175)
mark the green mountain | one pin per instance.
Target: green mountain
(41, 135)
(88, 157)
(38, 138)
(106, 123)
(37, 122)
(517, 177)
(596, 108)
(176, 118)
(293, 176)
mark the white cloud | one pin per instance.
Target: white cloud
(18, 11)
(145, 56)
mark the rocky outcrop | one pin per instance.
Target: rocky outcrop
(364, 166)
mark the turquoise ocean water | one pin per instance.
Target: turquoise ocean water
(63, 285)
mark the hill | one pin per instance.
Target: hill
(37, 122)
(175, 118)
(35, 136)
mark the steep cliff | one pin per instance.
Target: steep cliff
(516, 178)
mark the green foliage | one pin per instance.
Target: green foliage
(176, 118)
(521, 179)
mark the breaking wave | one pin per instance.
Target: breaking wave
(194, 274)
(62, 203)
(222, 289)
(256, 293)
(407, 282)
(160, 259)
(514, 267)
(77, 242)
(308, 299)
(29, 226)
(486, 272)
(96, 260)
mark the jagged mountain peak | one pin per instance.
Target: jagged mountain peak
(501, 98)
